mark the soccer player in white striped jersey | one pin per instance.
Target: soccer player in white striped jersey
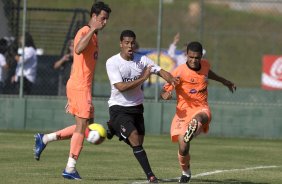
(126, 75)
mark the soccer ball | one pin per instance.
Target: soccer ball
(97, 134)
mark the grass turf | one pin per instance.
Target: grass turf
(113, 162)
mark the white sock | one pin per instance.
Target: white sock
(71, 165)
(49, 138)
(187, 173)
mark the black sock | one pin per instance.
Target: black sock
(141, 156)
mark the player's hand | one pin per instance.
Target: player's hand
(176, 38)
(97, 24)
(147, 72)
(231, 86)
(17, 58)
(66, 57)
(13, 79)
(167, 95)
(175, 81)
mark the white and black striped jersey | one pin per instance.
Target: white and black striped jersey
(121, 70)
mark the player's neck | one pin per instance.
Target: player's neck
(194, 69)
(126, 57)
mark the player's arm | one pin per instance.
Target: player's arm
(83, 42)
(231, 86)
(95, 25)
(168, 77)
(160, 72)
(166, 94)
(124, 86)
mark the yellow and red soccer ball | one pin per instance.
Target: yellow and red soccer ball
(95, 134)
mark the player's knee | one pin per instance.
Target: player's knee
(183, 151)
(202, 117)
(184, 148)
(134, 138)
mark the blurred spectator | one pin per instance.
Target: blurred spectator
(10, 54)
(64, 64)
(179, 58)
(3, 63)
(28, 64)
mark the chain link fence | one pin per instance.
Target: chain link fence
(236, 35)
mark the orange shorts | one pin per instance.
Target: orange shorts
(180, 122)
(80, 103)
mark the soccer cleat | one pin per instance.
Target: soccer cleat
(153, 179)
(110, 131)
(71, 176)
(39, 146)
(191, 130)
(184, 179)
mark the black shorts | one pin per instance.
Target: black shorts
(126, 119)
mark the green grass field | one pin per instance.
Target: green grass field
(214, 160)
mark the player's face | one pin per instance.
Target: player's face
(194, 59)
(102, 18)
(127, 46)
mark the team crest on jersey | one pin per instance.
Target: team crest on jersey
(193, 91)
(123, 129)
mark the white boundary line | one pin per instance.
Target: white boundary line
(232, 170)
(216, 172)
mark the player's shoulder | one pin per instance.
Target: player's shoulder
(205, 63)
(181, 67)
(146, 60)
(84, 28)
(113, 59)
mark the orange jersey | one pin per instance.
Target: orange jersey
(192, 90)
(83, 67)
(192, 97)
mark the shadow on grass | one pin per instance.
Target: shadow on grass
(174, 180)
(202, 181)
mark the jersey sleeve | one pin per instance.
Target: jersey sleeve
(80, 34)
(113, 72)
(167, 86)
(148, 62)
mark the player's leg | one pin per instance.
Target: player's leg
(83, 112)
(199, 123)
(110, 130)
(41, 140)
(184, 159)
(76, 145)
(136, 139)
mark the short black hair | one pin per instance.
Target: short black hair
(29, 40)
(127, 33)
(195, 47)
(3, 45)
(98, 7)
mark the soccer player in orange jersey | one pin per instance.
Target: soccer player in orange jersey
(79, 88)
(192, 111)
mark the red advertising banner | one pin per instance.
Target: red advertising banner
(272, 72)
